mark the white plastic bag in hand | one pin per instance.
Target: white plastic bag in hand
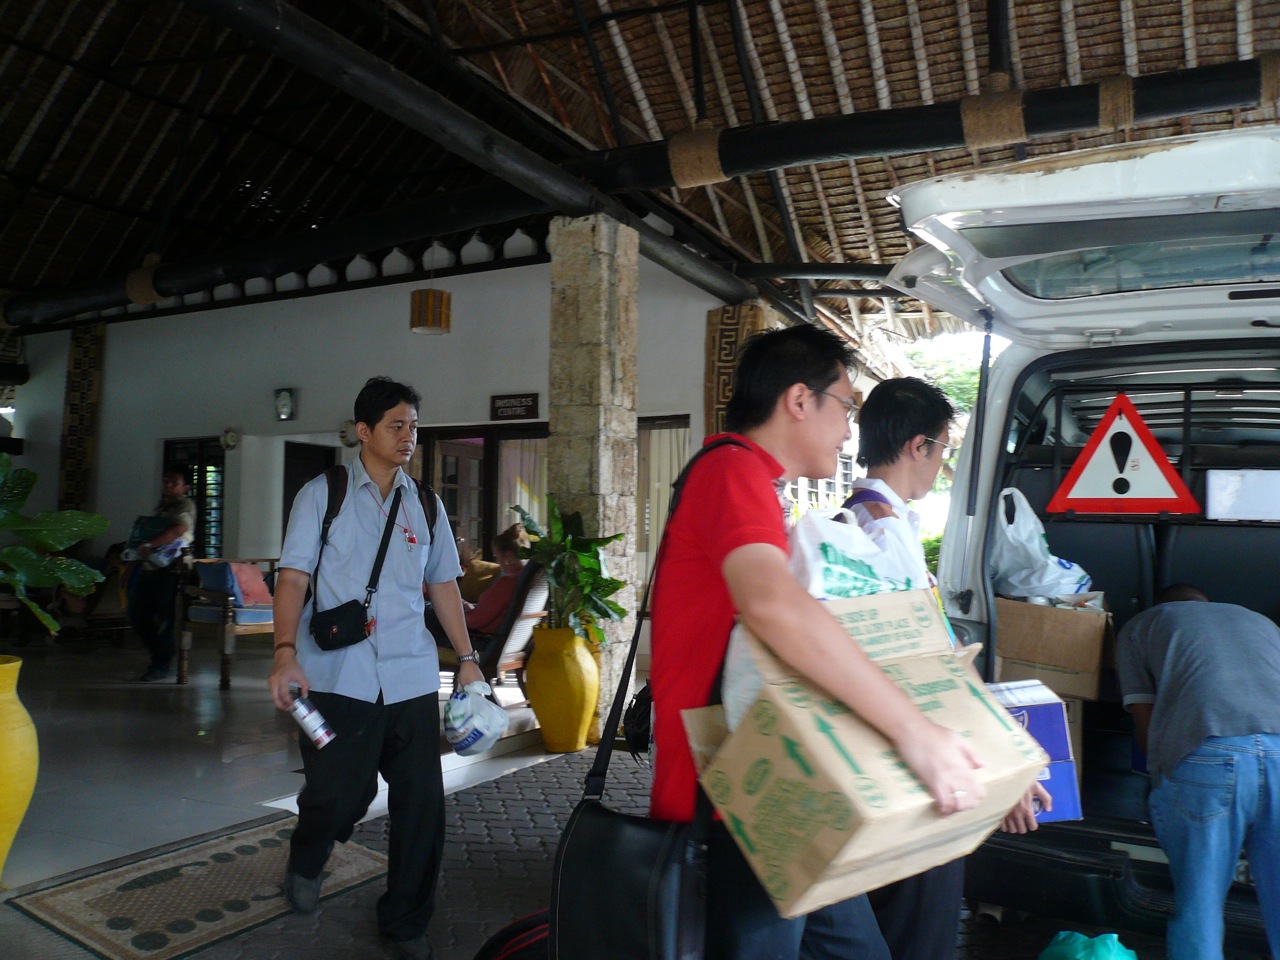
(833, 558)
(472, 722)
(1021, 564)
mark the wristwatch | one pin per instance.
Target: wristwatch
(471, 657)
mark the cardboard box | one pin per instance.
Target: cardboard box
(820, 804)
(1059, 646)
(1047, 718)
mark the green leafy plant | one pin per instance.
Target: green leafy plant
(579, 584)
(31, 561)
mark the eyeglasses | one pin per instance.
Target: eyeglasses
(850, 406)
(949, 450)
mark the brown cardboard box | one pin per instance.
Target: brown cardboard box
(820, 804)
(1059, 646)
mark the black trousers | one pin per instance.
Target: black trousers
(402, 742)
(151, 612)
(920, 916)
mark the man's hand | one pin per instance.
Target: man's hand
(945, 765)
(468, 673)
(286, 672)
(1022, 818)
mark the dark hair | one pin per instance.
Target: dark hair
(511, 539)
(771, 362)
(380, 394)
(181, 469)
(1177, 592)
(894, 412)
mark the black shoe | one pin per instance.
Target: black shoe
(419, 948)
(303, 893)
(154, 673)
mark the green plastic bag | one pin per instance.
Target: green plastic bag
(1069, 945)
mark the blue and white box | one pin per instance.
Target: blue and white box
(1043, 714)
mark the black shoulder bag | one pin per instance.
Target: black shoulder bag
(625, 887)
(349, 623)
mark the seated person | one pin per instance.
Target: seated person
(488, 614)
(478, 574)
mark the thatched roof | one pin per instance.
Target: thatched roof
(137, 128)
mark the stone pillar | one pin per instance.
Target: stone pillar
(591, 459)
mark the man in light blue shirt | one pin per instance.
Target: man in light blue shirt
(380, 695)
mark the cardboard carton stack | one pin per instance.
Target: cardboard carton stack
(1036, 709)
(820, 804)
(1059, 646)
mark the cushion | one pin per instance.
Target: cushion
(253, 588)
(212, 613)
(477, 574)
(217, 575)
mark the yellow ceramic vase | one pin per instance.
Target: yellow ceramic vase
(563, 685)
(19, 757)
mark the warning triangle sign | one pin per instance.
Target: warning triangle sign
(1122, 470)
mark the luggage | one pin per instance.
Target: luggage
(525, 939)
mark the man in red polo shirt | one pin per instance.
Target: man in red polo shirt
(725, 558)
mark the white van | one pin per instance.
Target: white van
(1151, 270)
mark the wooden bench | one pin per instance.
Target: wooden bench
(213, 598)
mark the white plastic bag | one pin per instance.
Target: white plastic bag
(1020, 561)
(472, 722)
(830, 559)
(834, 558)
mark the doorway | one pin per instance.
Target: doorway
(479, 472)
(303, 461)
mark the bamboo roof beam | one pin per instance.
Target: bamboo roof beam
(731, 118)
(1129, 36)
(687, 101)
(1189, 51)
(884, 100)
(921, 51)
(968, 48)
(805, 104)
(1071, 43)
(845, 96)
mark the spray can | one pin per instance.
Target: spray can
(312, 722)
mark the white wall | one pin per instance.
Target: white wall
(196, 374)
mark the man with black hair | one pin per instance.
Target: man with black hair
(153, 590)
(1202, 681)
(725, 558)
(904, 437)
(380, 695)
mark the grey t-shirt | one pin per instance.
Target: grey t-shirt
(1211, 669)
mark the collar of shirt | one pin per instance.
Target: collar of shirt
(770, 462)
(360, 477)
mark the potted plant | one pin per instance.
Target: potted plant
(30, 562)
(562, 679)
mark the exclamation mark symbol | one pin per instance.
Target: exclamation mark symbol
(1121, 444)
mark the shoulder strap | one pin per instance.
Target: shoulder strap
(430, 507)
(336, 477)
(866, 495)
(609, 734)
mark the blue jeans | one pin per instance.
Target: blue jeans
(1224, 795)
(743, 924)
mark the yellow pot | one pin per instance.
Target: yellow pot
(19, 756)
(563, 686)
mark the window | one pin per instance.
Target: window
(207, 459)
(663, 451)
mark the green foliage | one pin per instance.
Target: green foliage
(954, 374)
(29, 563)
(580, 586)
(932, 547)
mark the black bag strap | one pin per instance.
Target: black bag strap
(372, 587)
(599, 769)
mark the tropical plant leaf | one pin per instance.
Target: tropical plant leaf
(15, 486)
(55, 530)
